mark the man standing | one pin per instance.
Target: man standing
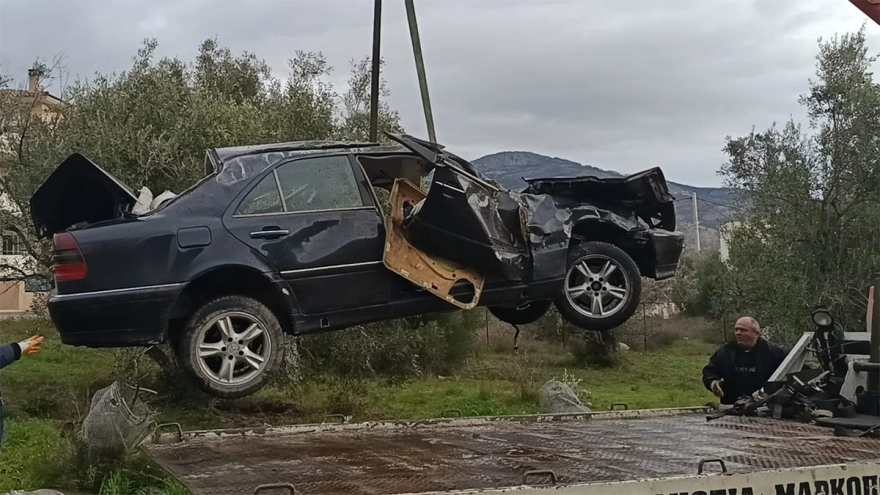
(12, 353)
(743, 366)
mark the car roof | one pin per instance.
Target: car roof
(301, 147)
(217, 157)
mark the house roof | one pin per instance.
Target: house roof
(25, 93)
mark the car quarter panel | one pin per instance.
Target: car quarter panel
(171, 245)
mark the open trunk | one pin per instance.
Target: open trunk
(78, 192)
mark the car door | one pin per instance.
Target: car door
(314, 220)
(465, 218)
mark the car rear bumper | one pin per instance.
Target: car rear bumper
(667, 247)
(114, 318)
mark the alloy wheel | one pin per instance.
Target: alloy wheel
(596, 286)
(233, 347)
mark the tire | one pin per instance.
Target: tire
(203, 327)
(524, 314)
(626, 275)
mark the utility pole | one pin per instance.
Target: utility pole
(696, 221)
(420, 67)
(874, 357)
(374, 90)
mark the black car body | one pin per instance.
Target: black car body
(298, 238)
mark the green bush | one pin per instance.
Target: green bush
(397, 349)
(596, 350)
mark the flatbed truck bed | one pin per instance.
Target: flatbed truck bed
(663, 451)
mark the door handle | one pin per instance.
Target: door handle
(270, 234)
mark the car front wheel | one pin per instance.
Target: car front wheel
(231, 346)
(602, 287)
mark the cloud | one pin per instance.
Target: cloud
(617, 85)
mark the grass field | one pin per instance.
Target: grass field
(46, 397)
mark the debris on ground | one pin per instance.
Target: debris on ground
(118, 421)
(557, 397)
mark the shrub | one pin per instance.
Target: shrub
(396, 349)
(596, 350)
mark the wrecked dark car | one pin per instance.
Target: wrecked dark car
(311, 237)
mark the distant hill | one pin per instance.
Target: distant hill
(714, 205)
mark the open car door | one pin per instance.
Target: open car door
(468, 223)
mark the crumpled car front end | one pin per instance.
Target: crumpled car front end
(525, 236)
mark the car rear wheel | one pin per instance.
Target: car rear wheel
(231, 346)
(523, 314)
(602, 287)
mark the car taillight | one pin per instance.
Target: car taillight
(69, 261)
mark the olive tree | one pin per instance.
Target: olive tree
(811, 202)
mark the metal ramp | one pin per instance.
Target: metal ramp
(446, 455)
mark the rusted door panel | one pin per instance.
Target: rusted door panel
(437, 276)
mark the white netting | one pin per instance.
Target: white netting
(557, 397)
(116, 423)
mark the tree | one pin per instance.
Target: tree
(150, 125)
(811, 206)
(699, 284)
(355, 123)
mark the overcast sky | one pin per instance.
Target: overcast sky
(618, 85)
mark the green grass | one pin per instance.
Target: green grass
(47, 395)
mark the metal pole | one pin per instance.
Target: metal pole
(873, 376)
(420, 67)
(696, 221)
(374, 90)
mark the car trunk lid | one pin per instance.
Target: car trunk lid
(78, 192)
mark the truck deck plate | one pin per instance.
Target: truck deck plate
(489, 454)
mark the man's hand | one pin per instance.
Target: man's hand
(716, 388)
(31, 345)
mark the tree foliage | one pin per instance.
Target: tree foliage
(811, 207)
(699, 285)
(150, 125)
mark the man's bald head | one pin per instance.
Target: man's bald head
(747, 331)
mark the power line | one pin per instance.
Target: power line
(713, 203)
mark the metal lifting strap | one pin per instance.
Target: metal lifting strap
(374, 80)
(420, 68)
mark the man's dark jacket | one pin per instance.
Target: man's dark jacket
(743, 372)
(8, 355)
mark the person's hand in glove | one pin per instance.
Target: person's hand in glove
(716, 388)
(13, 352)
(31, 345)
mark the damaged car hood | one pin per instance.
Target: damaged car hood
(644, 189)
(78, 191)
(646, 194)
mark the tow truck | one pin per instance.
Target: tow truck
(617, 452)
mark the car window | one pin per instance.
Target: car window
(324, 183)
(262, 199)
